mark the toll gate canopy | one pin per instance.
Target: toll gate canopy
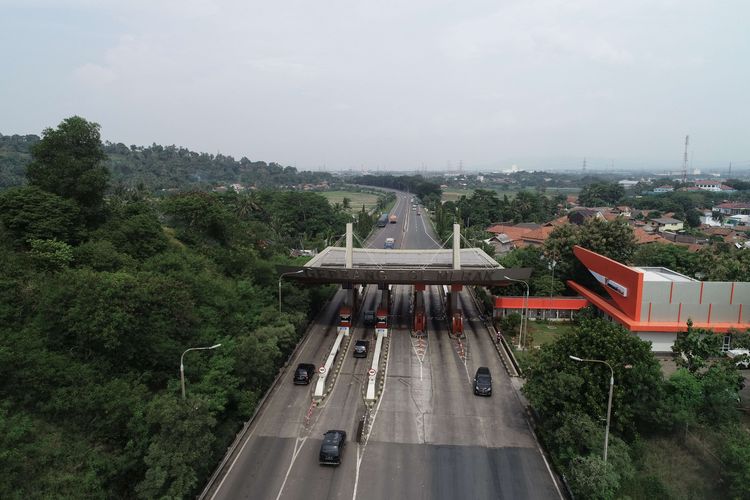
(465, 266)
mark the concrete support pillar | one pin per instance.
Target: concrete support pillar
(456, 246)
(349, 245)
(455, 290)
(385, 296)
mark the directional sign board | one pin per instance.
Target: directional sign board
(381, 331)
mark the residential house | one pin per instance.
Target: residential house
(711, 185)
(732, 208)
(667, 224)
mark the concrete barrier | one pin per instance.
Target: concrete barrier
(380, 335)
(320, 386)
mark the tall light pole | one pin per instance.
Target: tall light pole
(182, 366)
(524, 311)
(281, 277)
(609, 403)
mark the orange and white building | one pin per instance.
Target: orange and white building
(655, 303)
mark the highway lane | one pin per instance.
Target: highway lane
(431, 437)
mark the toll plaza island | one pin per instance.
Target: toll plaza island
(354, 268)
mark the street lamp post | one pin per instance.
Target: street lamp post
(525, 312)
(182, 366)
(609, 402)
(281, 277)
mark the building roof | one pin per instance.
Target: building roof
(666, 220)
(662, 274)
(734, 205)
(643, 237)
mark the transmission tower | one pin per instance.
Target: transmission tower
(685, 160)
(583, 168)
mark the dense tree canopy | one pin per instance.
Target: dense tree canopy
(93, 321)
(600, 194)
(69, 162)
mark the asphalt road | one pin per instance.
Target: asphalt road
(431, 438)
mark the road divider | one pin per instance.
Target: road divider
(380, 334)
(325, 371)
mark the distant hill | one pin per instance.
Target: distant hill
(163, 167)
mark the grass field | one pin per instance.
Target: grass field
(668, 469)
(453, 194)
(357, 199)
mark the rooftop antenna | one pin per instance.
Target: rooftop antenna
(685, 160)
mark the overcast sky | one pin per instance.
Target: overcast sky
(390, 84)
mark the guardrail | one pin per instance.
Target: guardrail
(242, 433)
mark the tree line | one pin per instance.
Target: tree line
(162, 167)
(100, 294)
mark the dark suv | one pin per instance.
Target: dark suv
(304, 373)
(360, 348)
(483, 382)
(369, 318)
(332, 447)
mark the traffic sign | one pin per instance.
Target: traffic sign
(371, 372)
(322, 370)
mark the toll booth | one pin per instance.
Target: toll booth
(345, 319)
(381, 321)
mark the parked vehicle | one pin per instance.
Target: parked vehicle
(304, 373)
(332, 447)
(382, 220)
(483, 382)
(360, 348)
(741, 357)
(389, 243)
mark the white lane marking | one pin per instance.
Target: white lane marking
(297, 448)
(372, 425)
(255, 423)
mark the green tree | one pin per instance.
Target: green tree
(735, 456)
(694, 348)
(675, 257)
(683, 399)
(29, 213)
(51, 255)
(599, 194)
(557, 385)
(183, 437)
(69, 162)
(592, 479)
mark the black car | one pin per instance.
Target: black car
(369, 318)
(304, 373)
(360, 348)
(332, 447)
(483, 382)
